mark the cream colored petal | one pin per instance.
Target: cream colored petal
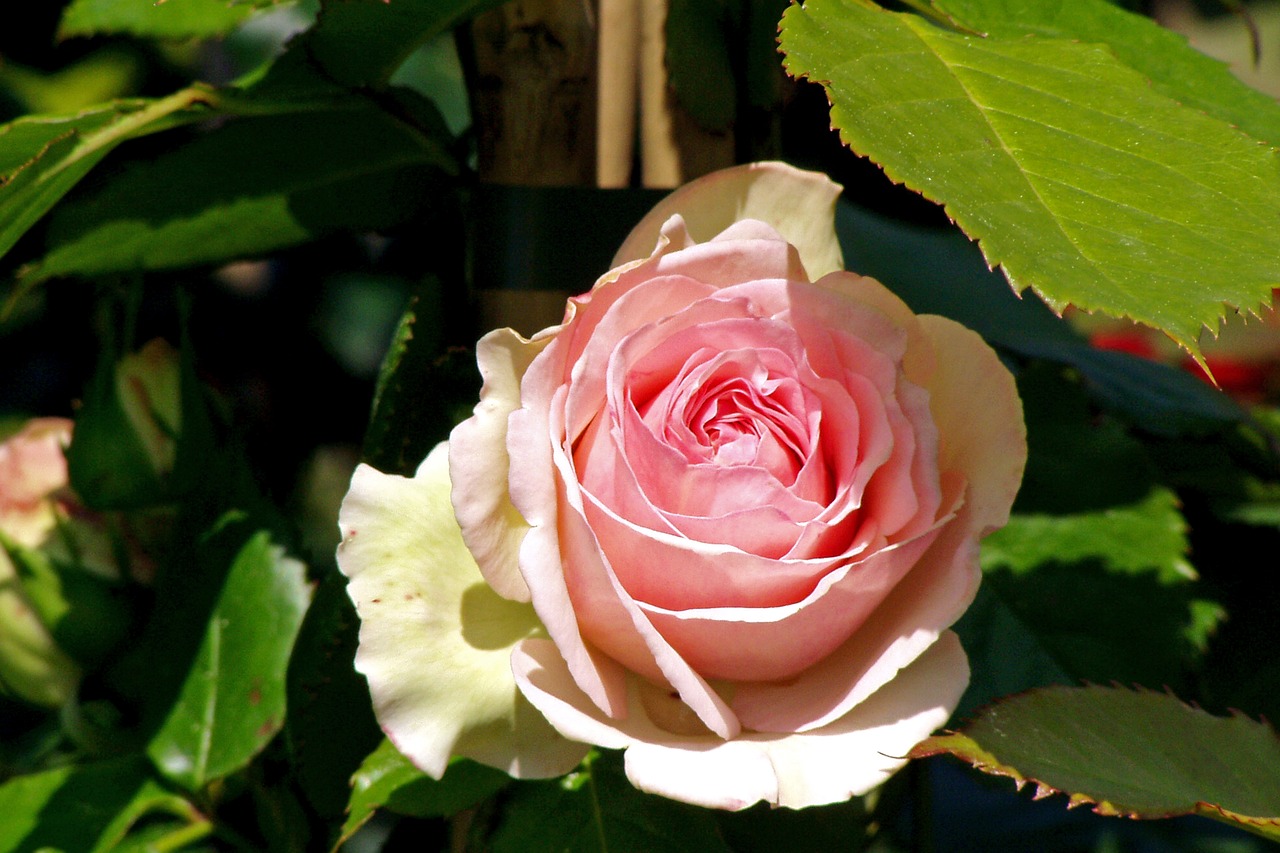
(800, 205)
(435, 639)
(978, 412)
(479, 464)
(844, 759)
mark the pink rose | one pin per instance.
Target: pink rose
(741, 491)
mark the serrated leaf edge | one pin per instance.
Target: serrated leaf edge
(988, 763)
(1017, 284)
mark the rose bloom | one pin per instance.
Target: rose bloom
(720, 517)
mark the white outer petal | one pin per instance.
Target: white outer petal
(435, 639)
(800, 205)
(843, 759)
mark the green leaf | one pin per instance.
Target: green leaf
(83, 807)
(325, 695)
(233, 699)
(253, 186)
(87, 615)
(387, 780)
(843, 826)
(722, 57)
(1236, 473)
(1135, 754)
(422, 393)
(1186, 75)
(1090, 579)
(1149, 535)
(1076, 462)
(1107, 593)
(699, 62)
(1006, 653)
(596, 809)
(174, 19)
(1158, 398)
(101, 76)
(1075, 175)
(42, 157)
(363, 42)
(938, 271)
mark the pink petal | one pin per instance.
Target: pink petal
(771, 644)
(667, 570)
(610, 619)
(722, 263)
(939, 587)
(918, 358)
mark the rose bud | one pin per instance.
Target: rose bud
(59, 601)
(32, 469)
(148, 383)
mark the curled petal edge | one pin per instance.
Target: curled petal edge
(435, 639)
(846, 758)
(800, 205)
(478, 462)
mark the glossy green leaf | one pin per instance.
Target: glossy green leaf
(596, 809)
(1075, 175)
(1090, 579)
(253, 186)
(722, 57)
(101, 76)
(1135, 754)
(1148, 535)
(1187, 76)
(387, 780)
(233, 698)
(87, 615)
(325, 695)
(938, 271)
(42, 157)
(422, 392)
(87, 807)
(175, 19)
(363, 42)
(700, 61)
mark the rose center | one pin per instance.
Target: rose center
(742, 420)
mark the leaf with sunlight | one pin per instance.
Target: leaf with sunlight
(1076, 175)
(181, 19)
